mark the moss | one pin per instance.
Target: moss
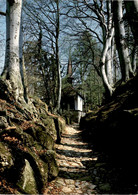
(40, 105)
(31, 142)
(44, 137)
(27, 182)
(43, 116)
(6, 158)
(49, 157)
(50, 127)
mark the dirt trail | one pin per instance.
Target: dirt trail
(73, 156)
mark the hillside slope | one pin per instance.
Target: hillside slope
(27, 136)
(112, 130)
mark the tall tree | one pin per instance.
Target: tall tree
(103, 15)
(12, 68)
(132, 7)
(93, 16)
(57, 55)
(121, 43)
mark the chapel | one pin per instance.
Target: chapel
(72, 101)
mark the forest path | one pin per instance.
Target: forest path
(73, 157)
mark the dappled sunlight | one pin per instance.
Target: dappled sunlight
(72, 153)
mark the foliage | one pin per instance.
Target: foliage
(85, 57)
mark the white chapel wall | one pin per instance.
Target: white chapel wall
(79, 103)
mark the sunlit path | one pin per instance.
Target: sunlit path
(72, 156)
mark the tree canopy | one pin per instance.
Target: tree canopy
(100, 37)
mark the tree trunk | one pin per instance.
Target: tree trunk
(109, 67)
(22, 65)
(121, 44)
(103, 61)
(132, 17)
(57, 57)
(134, 57)
(11, 71)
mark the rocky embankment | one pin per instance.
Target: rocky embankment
(27, 136)
(112, 130)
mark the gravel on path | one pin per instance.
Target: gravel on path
(72, 156)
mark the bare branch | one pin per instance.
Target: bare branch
(2, 13)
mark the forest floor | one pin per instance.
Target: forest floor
(72, 157)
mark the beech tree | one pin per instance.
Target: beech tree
(2, 35)
(132, 15)
(111, 29)
(121, 43)
(95, 13)
(12, 72)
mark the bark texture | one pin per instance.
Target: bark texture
(132, 7)
(11, 71)
(121, 43)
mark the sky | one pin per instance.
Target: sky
(66, 42)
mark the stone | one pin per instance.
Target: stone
(65, 164)
(3, 122)
(60, 181)
(27, 152)
(79, 191)
(105, 187)
(6, 158)
(92, 186)
(77, 183)
(72, 187)
(50, 127)
(49, 157)
(66, 190)
(89, 191)
(27, 181)
(74, 164)
(44, 137)
(69, 181)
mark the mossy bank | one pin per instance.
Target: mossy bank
(27, 136)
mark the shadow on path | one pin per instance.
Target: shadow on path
(71, 155)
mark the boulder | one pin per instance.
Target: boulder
(49, 157)
(27, 180)
(3, 122)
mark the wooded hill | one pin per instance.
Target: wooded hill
(112, 131)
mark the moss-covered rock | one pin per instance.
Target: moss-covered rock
(44, 138)
(112, 130)
(27, 180)
(6, 158)
(49, 157)
(60, 126)
(3, 122)
(27, 136)
(50, 127)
